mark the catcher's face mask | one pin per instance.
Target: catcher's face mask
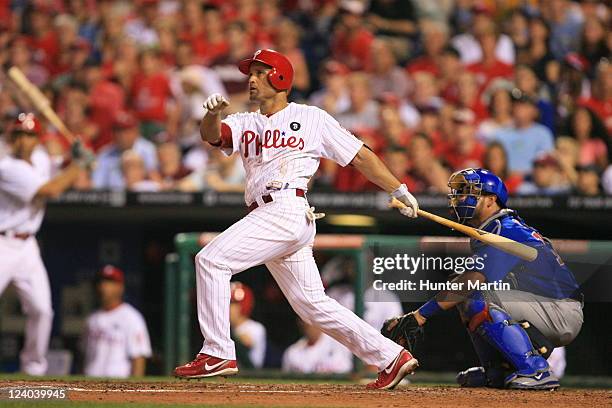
(466, 189)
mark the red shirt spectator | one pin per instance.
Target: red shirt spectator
(485, 73)
(106, 99)
(351, 42)
(151, 90)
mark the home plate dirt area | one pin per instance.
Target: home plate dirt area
(220, 392)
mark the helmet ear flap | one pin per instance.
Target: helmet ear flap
(273, 78)
(277, 79)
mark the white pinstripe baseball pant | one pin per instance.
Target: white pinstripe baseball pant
(279, 235)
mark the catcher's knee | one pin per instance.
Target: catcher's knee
(474, 310)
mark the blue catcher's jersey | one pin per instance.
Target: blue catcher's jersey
(546, 276)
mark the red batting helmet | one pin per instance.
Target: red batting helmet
(281, 74)
(26, 123)
(242, 294)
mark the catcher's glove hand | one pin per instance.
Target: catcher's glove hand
(404, 330)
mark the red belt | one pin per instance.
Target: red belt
(22, 236)
(268, 198)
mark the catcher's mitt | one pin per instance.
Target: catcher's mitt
(404, 330)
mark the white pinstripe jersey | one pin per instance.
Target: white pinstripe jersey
(284, 150)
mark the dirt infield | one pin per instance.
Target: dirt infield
(225, 393)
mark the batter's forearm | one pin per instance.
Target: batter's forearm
(368, 164)
(59, 183)
(210, 128)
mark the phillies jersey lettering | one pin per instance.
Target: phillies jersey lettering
(273, 139)
(286, 147)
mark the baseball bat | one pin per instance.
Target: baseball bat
(40, 102)
(507, 245)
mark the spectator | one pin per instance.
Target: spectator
(600, 101)
(151, 94)
(191, 86)
(171, 169)
(517, 26)
(423, 97)
(435, 38)
(547, 178)
(224, 174)
(538, 55)
(567, 153)
(108, 173)
(428, 173)
(116, 339)
(334, 96)
(468, 96)
(500, 111)
(527, 82)
(393, 20)
(135, 174)
(268, 29)
(351, 42)
(386, 75)
(489, 66)
(392, 129)
(240, 47)
(496, 160)
(584, 126)
(106, 100)
(21, 57)
(249, 335)
(43, 40)
(469, 48)
(566, 24)
(288, 41)
(363, 112)
(526, 140)
(141, 29)
(396, 158)
(465, 150)
(588, 181)
(316, 352)
(593, 43)
(574, 85)
(75, 110)
(450, 71)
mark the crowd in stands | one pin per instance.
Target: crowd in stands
(522, 87)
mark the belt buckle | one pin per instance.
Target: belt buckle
(276, 185)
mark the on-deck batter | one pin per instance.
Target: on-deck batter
(23, 189)
(281, 146)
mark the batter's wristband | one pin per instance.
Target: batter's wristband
(430, 308)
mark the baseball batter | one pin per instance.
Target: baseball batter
(23, 190)
(281, 145)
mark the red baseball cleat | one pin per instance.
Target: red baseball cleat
(388, 378)
(206, 366)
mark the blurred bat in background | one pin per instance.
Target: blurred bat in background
(40, 102)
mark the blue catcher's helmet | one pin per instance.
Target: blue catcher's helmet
(468, 185)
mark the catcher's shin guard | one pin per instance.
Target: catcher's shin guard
(509, 338)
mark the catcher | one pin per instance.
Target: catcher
(513, 331)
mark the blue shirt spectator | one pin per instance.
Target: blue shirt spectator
(108, 173)
(526, 140)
